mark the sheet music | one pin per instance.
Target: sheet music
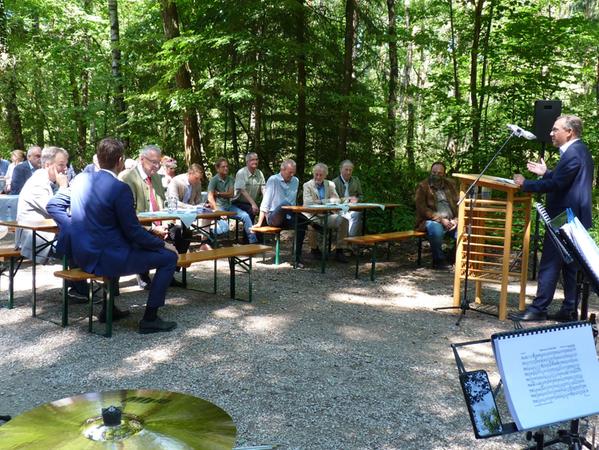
(550, 374)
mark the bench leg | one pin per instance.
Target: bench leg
(12, 271)
(184, 276)
(110, 306)
(214, 282)
(373, 262)
(277, 248)
(232, 277)
(65, 304)
(90, 301)
(419, 251)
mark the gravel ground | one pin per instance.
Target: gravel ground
(315, 362)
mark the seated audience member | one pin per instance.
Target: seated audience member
(350, 191)
(220, 192)
(16, 157)
(94, 166)
(168, 169)
(148, 195)
(249, 186)
(24, 170)
(319, 191)
(4, 164)
(187, 187)
(281, 190)
(437, 211)
(107, 239)
(31, 207)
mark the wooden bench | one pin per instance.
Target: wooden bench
(276, 232)
(75, 275)
(372, 240)
(238, 256)
(14, 258)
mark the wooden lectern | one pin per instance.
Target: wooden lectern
(499, 241)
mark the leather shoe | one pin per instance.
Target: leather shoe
(528, 316)
(117, 314)
(176, 283)
(156, 326)
(563, 316)
(299, 265)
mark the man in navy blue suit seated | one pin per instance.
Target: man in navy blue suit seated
(104, 236)
(569, 185)
(24, 170)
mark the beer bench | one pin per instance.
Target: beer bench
(373, 240)
(274, 231)
(239, 256)
(75, 275)
(15, 259)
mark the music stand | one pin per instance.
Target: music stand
(575, 245)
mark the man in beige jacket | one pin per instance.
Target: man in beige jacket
(320, 191)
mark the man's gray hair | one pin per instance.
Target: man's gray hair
(573, 123)
(49, 154)
(288, 163)
(321, 166)
(31, 149)
(249, 156)
(345, 162)
(149, 148)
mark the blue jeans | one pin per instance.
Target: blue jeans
(222, 226)
(435, 232)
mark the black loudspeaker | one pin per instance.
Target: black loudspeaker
(546, 112)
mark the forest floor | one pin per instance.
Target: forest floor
(316, 361)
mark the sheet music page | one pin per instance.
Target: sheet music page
(550, 375)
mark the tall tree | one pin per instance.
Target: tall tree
(8, 78)
(351, 18)
(191, 128)
(119, 90)
(393, 76)
(301, 88)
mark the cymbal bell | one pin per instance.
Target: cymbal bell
(125, 419)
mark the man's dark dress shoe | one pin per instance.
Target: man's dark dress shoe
(176, 283)
(563, 316)
(529, 316)
(441, 265)
(156, 326)
(117, 314)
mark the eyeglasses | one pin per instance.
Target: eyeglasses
(153, 162)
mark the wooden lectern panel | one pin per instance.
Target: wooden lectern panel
(499, 238)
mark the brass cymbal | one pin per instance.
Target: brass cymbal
(140, 419)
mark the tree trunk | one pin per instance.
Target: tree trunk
(234, 141)
(409, 94)
(40, 113)
(457, 134)
(191, 129)
(348, 69)
(474, 104)
(8, 77)
(119, 91)
(301, 90)
(393, 76)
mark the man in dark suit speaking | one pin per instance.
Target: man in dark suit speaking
(569, 185)
(105, 236)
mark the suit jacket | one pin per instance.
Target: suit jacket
(141, 191)
(31, 207)
(103, 227)
(20, 175)
(311, 193)
(569, 185)
(426, 202)
(178, 186)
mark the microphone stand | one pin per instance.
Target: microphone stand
(471, 195)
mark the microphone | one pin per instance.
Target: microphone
(519, 132)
